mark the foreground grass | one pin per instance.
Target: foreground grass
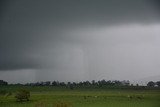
(54, 96)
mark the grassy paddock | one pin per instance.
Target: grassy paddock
(49, 96)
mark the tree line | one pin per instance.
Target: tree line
(82, 83)
(99, 83)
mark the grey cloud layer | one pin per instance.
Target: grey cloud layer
(25, 24)
(78, 36)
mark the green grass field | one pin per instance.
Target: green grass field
(49, 96)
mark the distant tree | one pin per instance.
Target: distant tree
(103, 82)
(80, 84)
(22, 95)
(47, 83)
(62, 84)
(150, 84)
(118, 83)
(54, 83)
(125, 83)
(74, 84)
(69, 83)
(93, 82)
(2, 82)
(158, 83)
(36, 84)
(42, 83)
(109, 83)
(87, 83)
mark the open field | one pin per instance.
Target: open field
(49, 96)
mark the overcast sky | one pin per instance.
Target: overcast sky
(76, 40)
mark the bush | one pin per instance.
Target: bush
(22, 95)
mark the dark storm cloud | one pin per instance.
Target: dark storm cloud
(35, 34)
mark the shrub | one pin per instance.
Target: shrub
(22, 95)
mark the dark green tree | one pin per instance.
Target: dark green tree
(2, 82)
(151, 84)
(158, 83)
(22, 95)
